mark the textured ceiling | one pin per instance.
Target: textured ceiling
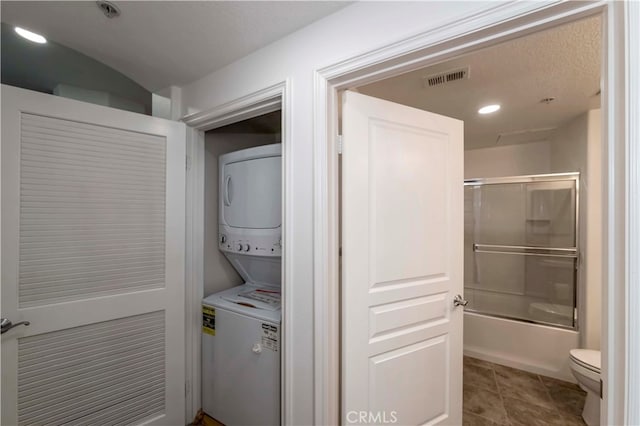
(563, 62)
(163, 43)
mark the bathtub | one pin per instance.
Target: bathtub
(535, 348)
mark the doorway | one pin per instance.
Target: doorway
(259, 119)
(532, 189)
(343, 77)
(241, 309)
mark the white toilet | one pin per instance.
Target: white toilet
(585, 366)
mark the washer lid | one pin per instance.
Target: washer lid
(587, 357)
(266, 298)
(246, 300)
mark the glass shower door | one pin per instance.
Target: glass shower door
(521, 247)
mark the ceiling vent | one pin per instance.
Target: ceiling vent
(445, 77)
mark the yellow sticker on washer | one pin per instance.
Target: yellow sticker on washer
(209, 320)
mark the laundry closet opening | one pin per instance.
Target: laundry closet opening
(241, 309)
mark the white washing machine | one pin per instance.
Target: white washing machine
(241, 325)
(241, 355)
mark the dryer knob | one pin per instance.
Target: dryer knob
(247, 247)
(257, 348)
(223, 239)
(239, 247)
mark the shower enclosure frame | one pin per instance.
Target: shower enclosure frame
(563, 252)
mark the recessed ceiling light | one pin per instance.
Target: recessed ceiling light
(31, 36)
(488, 109)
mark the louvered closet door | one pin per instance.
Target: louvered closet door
(93, 258)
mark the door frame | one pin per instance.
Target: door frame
(621, 174)
(269, 99)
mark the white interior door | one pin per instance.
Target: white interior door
(402, 218)
(93, 257)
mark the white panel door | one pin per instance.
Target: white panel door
(93, 258)
(402, 218)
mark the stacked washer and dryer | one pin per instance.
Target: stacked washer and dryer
(242, 325)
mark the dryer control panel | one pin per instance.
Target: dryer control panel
(256, 245)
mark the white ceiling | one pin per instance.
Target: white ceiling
(563, 62)
(163, 43)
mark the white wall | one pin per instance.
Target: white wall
(592, 184)
(510, 160)
(577, 146)
(218, 273)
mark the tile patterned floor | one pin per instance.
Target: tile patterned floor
(497, 395)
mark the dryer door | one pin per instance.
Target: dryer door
(251, 193)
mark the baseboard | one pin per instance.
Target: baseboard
(514, 363)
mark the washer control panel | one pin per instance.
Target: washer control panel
(254, 245)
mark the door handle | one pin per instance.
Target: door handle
(227, 182)
(6, 324)
(459, 301)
